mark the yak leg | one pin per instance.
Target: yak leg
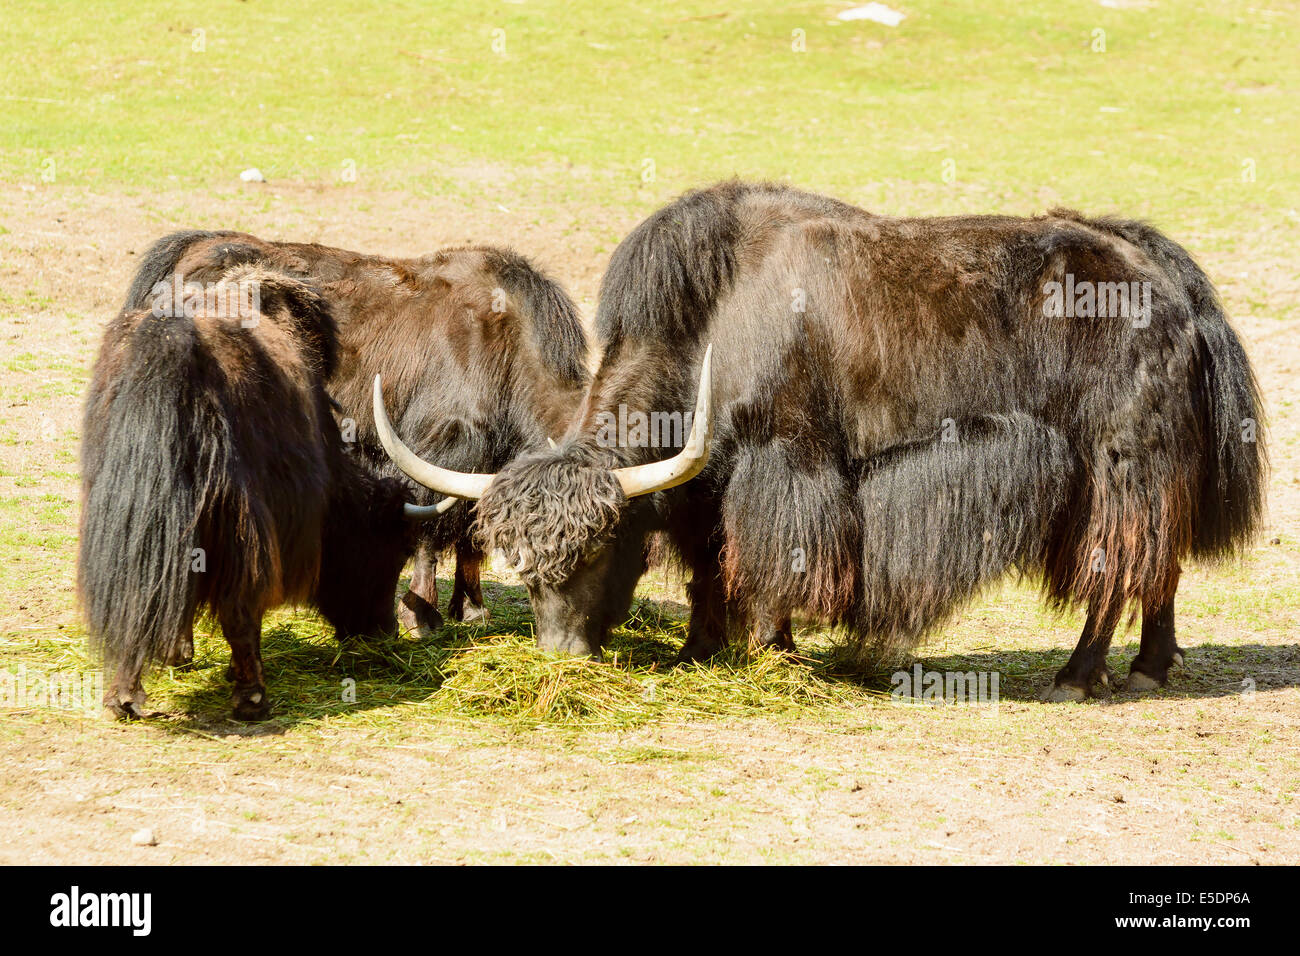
(183, 654)
(707, 633)
(1087, 665)
(418, 610)
(1159, 649)
(125, 696)
(469, 561)
(243, 633)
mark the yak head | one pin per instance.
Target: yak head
(365, 543)
(563, 520)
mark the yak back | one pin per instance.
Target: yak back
(481, 354)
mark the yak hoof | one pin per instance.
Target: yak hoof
(1068, 687)
(1139, 683)
(125, 705)
(417, 616)
(406, 619)
(182, 655)
(1064, 693)
(413, 626)
(123, 710)
(697, 650)
(251, 705)
(1178, 657)
(473, 613)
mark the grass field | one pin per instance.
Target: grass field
(423, 128)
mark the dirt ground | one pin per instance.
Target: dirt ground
(1196, 777)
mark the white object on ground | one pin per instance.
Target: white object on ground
(875, 12)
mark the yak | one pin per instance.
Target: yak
(892, 414)
(215, 479)
(484, 357)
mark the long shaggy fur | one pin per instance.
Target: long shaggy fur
(213, 478)
(789, 496)
(803, 531)
(139, 513)
(556, 327)
(943, 519)
(547, 510)
(159, 262)
(1231, 498)
(666, 277)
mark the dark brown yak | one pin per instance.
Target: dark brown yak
(214, 478)
(904, 411)
(483, 357)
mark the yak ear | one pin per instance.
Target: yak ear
(687, 463)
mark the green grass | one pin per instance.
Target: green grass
(585, 93)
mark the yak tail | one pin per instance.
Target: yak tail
(1232, 482)
(1232, 487)
(942, 519)
(157, 456)
(160, 262)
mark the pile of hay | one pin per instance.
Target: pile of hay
(465, 673)
(508, 677)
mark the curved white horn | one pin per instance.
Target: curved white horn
(442, 480)
(425, 512)
(687, 463)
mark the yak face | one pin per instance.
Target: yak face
(574, 616)
(365, 544)
(563, 519)
(557, 516)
